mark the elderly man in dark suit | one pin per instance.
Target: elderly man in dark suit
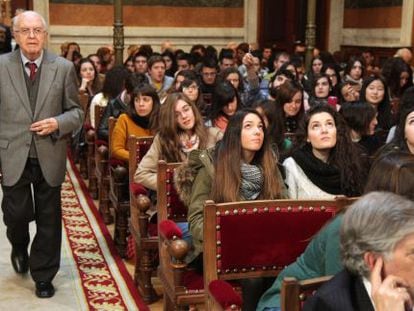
(377, 248)
(38, 107)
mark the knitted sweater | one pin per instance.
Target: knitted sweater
(125, 127)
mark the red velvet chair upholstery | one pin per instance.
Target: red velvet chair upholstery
(294, 293)
(102, 155)
(259, 238)
(120, 175)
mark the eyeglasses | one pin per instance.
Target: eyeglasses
(27, 31)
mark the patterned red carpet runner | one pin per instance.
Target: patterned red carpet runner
(103, 277)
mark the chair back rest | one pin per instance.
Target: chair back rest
(169, 205)
(259, 238)
(294, 293)
(99, 111)
(111, 126)
(84, 102)
(138, 148)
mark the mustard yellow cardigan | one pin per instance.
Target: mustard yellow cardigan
(125, 127)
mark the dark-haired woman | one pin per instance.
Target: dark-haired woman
(88, 78)
(354, 70)
(404, 132)
(140, 120)
(321, 89)
(324, 163)
(225, 103)
(241, 167)
(361, 118)
(375, 92)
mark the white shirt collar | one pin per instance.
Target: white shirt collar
(37, 61)
(368, 288)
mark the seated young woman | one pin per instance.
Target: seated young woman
(361, 118)
(241, 167)
(321, 90)
(404, 132)
(140, 119)
(180, 131)
(322, 255)
(324, 162)
(225, 103)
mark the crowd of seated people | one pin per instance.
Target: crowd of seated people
(256, 126)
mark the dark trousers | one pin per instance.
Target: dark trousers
(20, 206)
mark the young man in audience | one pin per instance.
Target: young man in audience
(156, 75)
(184, 62)
(226, 59)
(208, 73)
(140, 62)
(280, 59)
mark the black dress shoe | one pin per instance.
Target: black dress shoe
(20, 260)
(44, 289)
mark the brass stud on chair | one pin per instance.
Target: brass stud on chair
(218, 227)
(227, 213)
(235, 212)
(289, 208)
(255, 210)
(323, 208)
(278, 209)
(266, 209)
(218, 243)
(218, 256)
(310, 208)
(244, 211)
(217, 213)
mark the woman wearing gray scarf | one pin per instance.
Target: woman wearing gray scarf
(241, 167)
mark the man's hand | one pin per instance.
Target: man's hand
(390, 294)
(45, 127)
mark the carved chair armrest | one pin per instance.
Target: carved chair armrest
(119, 180)
(177, 249)
(224, 295)
(102, 156)
(140, 204)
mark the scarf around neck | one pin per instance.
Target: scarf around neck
(324, 175)
(251, 181)
(142, 122)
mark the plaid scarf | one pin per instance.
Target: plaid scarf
(252, 181)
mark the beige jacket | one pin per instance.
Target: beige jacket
(146, 173)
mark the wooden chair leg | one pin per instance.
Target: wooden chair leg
(83, 164)
(146, 269)
(121, 230)
(104, 204)
(93, 182)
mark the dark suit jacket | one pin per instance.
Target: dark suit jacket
(57, 98)
(344, 292)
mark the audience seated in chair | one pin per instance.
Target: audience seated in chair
(393, 172)
(120, 104)
(324, 162)
(241, 167)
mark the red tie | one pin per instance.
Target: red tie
(32, 67)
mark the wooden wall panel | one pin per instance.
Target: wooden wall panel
(389, 17)
(146, 16)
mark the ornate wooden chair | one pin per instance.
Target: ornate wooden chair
(294, 293)
(182, 286)
(91, 141)
(120, 174)
(253, 239)
(82, 150)
(102, 155)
